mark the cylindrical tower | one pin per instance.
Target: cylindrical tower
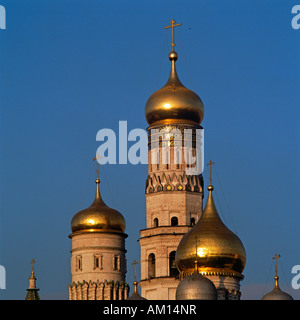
(98, 262)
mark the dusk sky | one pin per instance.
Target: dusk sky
(70, 68)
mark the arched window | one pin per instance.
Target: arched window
(155, 223)
(192, 221)
(174, 221)
(79, 263)
(173, 271)
(151, 265)
(116, 262)
(98, 261)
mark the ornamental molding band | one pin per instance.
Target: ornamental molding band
(107, 290)
(216, 273)
(160, 181)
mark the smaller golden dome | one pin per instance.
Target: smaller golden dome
(219, 250)
(98, 217)
(174, 102)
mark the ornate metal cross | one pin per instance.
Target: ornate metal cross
(173, 25)
(275, 258)
(97, 158)
(32, 262)
(210, 164)
(135, 263)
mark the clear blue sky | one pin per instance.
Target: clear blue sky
(70, 68)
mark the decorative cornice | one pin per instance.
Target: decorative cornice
(105, 231)
(162, 279)
(169, 126)
(98, 248)
(217, 273)
(99, 283)
(161, 181)
(163, 234)
(104, 290)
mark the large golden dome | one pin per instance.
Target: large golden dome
(174, 102)
(98, 217)
(219, 251)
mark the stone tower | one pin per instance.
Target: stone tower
(98, 262)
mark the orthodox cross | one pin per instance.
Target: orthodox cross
(173, 25)
(135, 263)
(210, 164)
(275, 258)
(32, 262)
(97, 158)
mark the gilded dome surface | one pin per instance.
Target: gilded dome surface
(196, 287)
(174, 102)
(98, 217)
(219, 250)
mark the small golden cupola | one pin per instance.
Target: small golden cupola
(98, 217)
(174, 102)
(219, 251)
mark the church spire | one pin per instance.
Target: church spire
(210, 164)
(277, 293)
(32, 291)
(98, 196)
(135, 282)
(276, 276)
(135, 295)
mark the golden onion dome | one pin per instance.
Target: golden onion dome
(219, 250)
(174, 102)
(98, 217)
